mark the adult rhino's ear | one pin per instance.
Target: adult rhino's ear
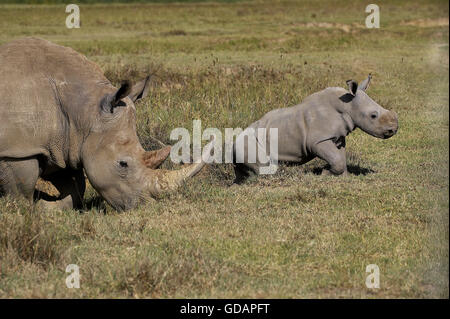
(115, 100)
(352, 86)
(365, 84)
(140, 89)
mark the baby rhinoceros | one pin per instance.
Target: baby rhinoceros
(315, 128)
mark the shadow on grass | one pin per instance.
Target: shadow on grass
(93, 203)
(97, 203)
(43, 195)
(352, 169)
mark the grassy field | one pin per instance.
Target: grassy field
(292, 235)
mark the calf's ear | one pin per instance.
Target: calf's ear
(352, 86)
(140, 89)
(365, 84)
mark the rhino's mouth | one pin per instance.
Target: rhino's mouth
(121, 203)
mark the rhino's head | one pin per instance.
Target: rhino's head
(116, 164)
(369, 115)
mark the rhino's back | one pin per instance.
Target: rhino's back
(295, 123)
(31, 57)
(31, 121)
(291, 133)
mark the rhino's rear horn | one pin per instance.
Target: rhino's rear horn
(153, 159)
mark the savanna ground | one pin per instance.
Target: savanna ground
(292, 235)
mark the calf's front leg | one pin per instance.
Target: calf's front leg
(334, 155)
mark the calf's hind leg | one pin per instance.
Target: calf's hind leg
(242, 152)
(71, 186)
(18, 177)
(243, 173)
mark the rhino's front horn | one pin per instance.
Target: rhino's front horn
(160, 181)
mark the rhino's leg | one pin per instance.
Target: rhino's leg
(71, 186)
(18, 177)
(333, 155)
(243, 172)
(244, 154)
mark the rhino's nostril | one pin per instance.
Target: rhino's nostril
(389, 133)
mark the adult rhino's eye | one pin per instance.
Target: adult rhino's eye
(123, 164)
(373, 115)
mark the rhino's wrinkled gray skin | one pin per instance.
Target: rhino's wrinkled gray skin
(318, 127)
(60, 115)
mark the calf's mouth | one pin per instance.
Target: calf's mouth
(389, 133)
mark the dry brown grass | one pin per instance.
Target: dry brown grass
(295, 234)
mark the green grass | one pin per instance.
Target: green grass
(295, 234)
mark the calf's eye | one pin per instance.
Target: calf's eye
(373, 115)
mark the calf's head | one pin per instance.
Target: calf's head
(369, 115)
(116, 164)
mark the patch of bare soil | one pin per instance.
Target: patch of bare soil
(327, 25)
(46, 187)
(428, 23)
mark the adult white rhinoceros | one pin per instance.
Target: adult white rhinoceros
(59, 115)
